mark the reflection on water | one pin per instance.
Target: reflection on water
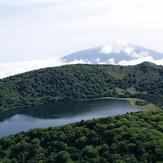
(57, 114)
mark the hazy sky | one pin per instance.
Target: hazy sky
(45, 29)
(36, 29)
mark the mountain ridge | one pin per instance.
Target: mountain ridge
(81, 81)
(114, 53)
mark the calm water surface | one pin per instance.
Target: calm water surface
(50, 115)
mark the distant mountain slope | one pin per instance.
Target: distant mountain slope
(74, 82)
(112, 53)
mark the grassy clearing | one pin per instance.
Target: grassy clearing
(146, 107)
(133, 101)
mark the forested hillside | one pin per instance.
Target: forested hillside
(131, 138)
(75, 82)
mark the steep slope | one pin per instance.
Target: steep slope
(74, 82)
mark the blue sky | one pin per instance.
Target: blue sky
(49, 29)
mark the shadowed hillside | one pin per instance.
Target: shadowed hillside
(75, 82)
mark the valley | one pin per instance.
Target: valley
(86, 113)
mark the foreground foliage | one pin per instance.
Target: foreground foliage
(134, 137)
(74, 82)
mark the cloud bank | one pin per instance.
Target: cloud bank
(34, 29)
(140, 60)
(122, 62)
(38, 29)
(13, 68)
(9, 69)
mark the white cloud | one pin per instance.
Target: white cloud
(111, 61)
(79, 61)
(59, 27)
(26, 2)
(8, 69)
(37, 29)
(128, 50)
(106, 49)
(122, 62)
(140, 60)
(135, 61)
(13, 68)
(114, 46)
(140, 55)
(87, 61)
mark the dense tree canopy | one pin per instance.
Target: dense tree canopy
(134, 137)
(75, 82)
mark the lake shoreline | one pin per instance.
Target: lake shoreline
(54, 115)
(132, 101)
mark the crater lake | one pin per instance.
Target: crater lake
(61, 113)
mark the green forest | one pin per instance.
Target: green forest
(76, 82)
(131, 138)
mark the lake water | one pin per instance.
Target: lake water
(51, 115)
